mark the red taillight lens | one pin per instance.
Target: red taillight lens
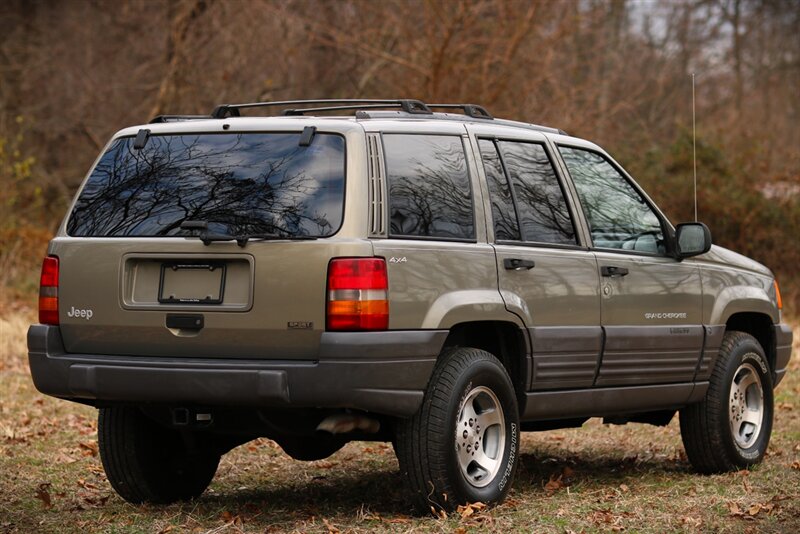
(358, 294)
(48, 291)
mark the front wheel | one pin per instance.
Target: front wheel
(730, 428)
(462, 444)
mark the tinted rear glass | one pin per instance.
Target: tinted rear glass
(429, 189)
(237, 183)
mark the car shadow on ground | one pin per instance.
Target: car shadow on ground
(382, 492)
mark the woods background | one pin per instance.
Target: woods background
(617, 72)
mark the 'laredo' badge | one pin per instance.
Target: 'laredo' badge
(300, 325)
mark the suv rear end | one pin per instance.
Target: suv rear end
(210, 264)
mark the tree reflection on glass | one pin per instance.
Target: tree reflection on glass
(429, 189)
(504, 215)
(237, 183)
(542, 208)
(618, 215)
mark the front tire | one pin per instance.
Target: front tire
(731, 427)
(146, 462)
(462, 444)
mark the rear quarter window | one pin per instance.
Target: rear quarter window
(429, 187)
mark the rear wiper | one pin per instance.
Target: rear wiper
(242, 239)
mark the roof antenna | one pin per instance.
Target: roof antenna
(694, 150)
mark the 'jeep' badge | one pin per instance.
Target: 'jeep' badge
(84, 314)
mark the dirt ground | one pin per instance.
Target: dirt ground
(596, 478)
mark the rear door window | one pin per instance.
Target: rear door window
(533, 207)
(504, 214)
(429, 187)
(239, 184)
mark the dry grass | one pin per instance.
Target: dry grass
(632, 478)
(13, 346)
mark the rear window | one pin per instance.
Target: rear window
(237, 183)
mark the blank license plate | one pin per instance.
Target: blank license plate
(192, 283)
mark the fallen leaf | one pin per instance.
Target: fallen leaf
(86, 485)
(796, 466)
(554, 484)
(734, 509)
(43, 494)
(331, 528)
(166, 529)
(602, 516)
(88, 448)
(691, 521)
(624, 488)
(468, 509)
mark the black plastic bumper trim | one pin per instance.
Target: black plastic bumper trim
(783, 350)
(380, 372)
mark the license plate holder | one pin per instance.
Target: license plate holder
(193, 283)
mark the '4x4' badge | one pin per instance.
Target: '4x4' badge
(401, 259)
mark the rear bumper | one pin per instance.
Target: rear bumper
(380, 372)
(783, 350)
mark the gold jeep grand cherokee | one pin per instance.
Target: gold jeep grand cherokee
(397, 271)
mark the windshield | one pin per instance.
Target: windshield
(238, 183)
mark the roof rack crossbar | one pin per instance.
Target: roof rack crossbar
(303, 111)
(178, 118)
(407, 105)
(471, 110)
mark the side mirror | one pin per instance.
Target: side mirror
(692, 239)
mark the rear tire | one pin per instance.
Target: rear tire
(731, 427)
(462, 444)
(146, 462)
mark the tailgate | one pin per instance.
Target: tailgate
(266, 301)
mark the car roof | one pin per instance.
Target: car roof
(297, 115)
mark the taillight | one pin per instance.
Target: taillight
(48, 291)
(358, 294)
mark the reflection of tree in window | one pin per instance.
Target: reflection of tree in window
(618, 216)
(504, 215)
(238, 183)
(429, 190)
(542, 208)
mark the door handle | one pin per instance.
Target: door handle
(517, 264)
(611, 270)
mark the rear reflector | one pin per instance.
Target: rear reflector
(48, 291)
(357, 294)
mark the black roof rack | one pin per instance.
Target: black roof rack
(408, 105)
(471, 110)
(362, 106)
(178, 118)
